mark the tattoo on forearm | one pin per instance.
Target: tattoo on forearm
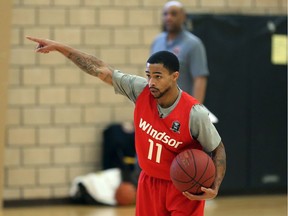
(87, 63)
(220, 163)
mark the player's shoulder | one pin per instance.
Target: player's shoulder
(119, 76)
(199, 112)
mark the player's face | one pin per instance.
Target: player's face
(160, 81)
(173, 18)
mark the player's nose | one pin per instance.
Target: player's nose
(151, 82)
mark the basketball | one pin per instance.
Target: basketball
(192, 169)
(125, 194)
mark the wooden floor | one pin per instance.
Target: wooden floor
(273, 205)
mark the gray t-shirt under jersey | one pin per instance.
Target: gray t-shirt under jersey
(201, 128)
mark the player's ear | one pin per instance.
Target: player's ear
(175, 75)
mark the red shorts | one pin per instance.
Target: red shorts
(158, 197)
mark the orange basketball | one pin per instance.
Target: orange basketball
(125, 194)
(191, 170)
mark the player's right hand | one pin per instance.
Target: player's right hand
(44, 45)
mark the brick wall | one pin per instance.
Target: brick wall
(56, 113)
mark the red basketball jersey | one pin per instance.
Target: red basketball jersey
(159, 140)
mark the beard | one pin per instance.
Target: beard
(157, 94)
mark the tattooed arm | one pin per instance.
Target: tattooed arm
(219, 158)
(88, 63)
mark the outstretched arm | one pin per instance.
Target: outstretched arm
(88, 63)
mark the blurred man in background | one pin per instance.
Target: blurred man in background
(187, 47)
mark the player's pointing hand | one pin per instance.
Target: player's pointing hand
(44, 45)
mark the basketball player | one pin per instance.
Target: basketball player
(167, 121)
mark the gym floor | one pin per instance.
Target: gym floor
(253, 205)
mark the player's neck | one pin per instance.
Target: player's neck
(169, 98)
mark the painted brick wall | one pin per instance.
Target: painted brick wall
(56, 113)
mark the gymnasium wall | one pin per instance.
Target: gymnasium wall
(56, 113)
(5, 25)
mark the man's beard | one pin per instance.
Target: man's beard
(160, 93)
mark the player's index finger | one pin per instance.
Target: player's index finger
(33, 39)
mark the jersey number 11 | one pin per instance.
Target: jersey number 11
(152, 147)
